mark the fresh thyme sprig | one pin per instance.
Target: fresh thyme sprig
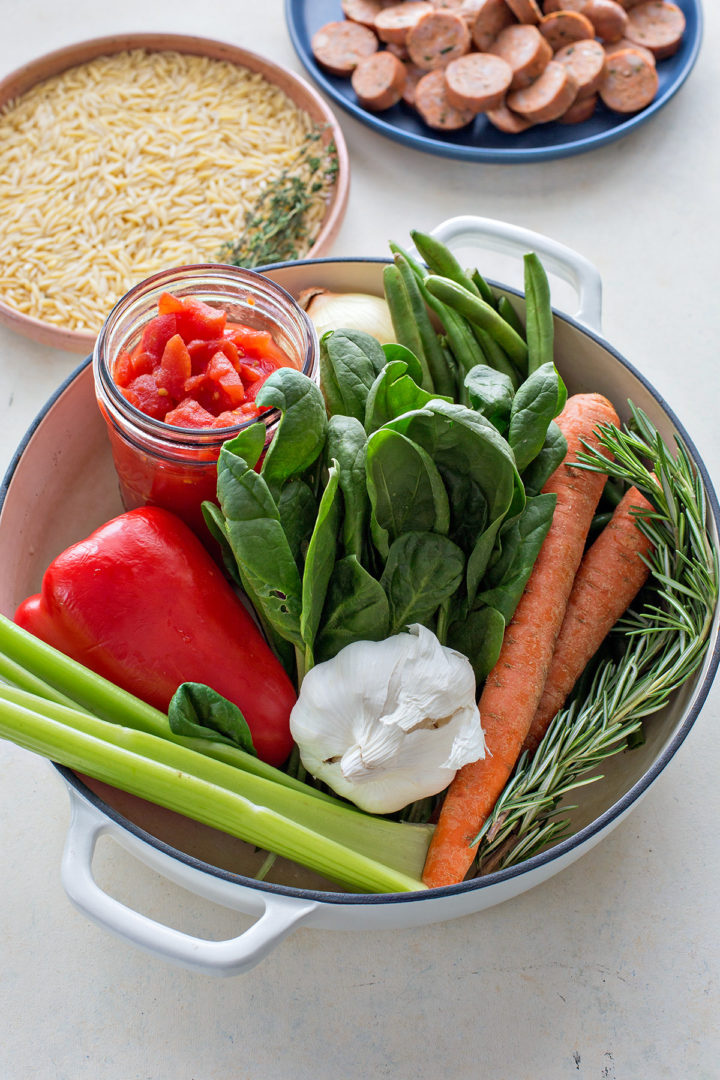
(278, 226)
(665, 640)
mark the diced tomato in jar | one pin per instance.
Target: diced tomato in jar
(190, 352)
(191, 369)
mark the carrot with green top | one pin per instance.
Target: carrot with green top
(514, 687)
(611, 575)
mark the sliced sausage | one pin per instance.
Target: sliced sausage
(552, 94)
(413, 75)
(398, 50)
(560, 28)
(392, 23)
(630, 82)
(437, 38)
(624, 43)
(608, 18)
(378, 81)
(434, 108)
(340, 46)
(585, 60)
(580, 110)
(505, 120)
(526, 51)
(363, 11)
(478, 81)
(525, 11)
(491, 17)
(658, 26)
(563, 5)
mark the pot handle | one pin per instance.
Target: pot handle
(513, 239)
(231, 957)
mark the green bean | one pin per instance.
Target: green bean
(483, 288)
(476, 311)
(538, 314)
(441, 260)
(403, 320)
(510, 315)
(459, 391)
(495, 356)
(417, 268)
(460, 338)
(443, 380)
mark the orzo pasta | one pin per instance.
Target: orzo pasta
(130, 164)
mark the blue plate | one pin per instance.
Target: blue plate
(481, 141)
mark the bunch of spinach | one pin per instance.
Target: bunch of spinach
(381, 503)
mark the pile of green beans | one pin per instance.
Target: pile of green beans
(452, 320)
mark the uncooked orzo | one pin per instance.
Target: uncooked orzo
(130, 164)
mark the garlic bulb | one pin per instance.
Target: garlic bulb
(348, 311)
(387, 722)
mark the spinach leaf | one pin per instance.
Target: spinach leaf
(198, 712)
(461, 442)
(356, 609)
(256, 537)
(480, 638)
(215, 523)
(347, 444)
(350, 360)
(297, 508)
(320, 558)
(393, 393)
(490, 393)
(395, 351)
(551, 456)
(520, 542)
(300, 435)
(538, 400)
(423, 570)
(406, 490)
(249, 443)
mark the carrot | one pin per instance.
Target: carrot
(513, 688)
(611, 575)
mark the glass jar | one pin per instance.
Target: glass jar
(175, 467)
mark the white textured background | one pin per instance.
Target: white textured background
(609, 971)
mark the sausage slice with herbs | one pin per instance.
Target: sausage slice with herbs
(379, 81)
(561, 28)
(393, 23)
(437, 38)
(340, 46)
(432, 103)
(491, 17)
(552, 94)
(609, 19)
(657, 25)
(586, 61)
(630, 82)
(525, 50)
(478, 81)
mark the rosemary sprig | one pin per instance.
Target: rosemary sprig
(665, 640)
(277, 227)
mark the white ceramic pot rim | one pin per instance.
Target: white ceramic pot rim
(564, 847)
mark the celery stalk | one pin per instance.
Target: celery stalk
(400, 847)
(199, 799)
(29, 663)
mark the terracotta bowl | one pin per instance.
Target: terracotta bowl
(299, 91)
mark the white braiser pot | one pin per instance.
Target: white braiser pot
(61, 485)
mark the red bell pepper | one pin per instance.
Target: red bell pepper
(141, 602)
